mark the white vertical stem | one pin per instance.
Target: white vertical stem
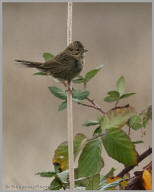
(69, 23)
(69, 106)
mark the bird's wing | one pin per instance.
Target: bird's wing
(62, 59)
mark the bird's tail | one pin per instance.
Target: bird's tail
(29, 63)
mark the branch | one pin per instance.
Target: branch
(86, 105)
(135, 184)
(101, 135)
(116, 103)
(140, 158)
(94, 105)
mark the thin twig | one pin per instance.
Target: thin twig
(92, 106)
(116, 103)
(129, 131)
(96, 137)
(120, 107)
(95, 105)
(84, 84)
(86, 105)
(140, 158)
(92, 101)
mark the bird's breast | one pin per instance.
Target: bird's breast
(77, 66)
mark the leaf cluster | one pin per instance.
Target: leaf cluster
(108, 134)
(118, 93)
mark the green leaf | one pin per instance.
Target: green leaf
(126, 95)
(61, 153)
(79, 142)
(79, 80)
(149, 112)
(102, 182)
(92, 73)
(97, 131)
(147, 115)
(62, 106)
(55, 184)
(58, 92)
(111, 185)
(93, 182)
(110, 173)
(61, 156)
(110, 99)
(90, 161)
(75, 100)
(119, 146)
(121, 85)
(137, 142)
(117, 118)
(63, 176)
(80, 181)
(79, 94)
(114, 94)
(47, 56)
(40, 73)
(46, 174)
(90, 123)
(135, 122)
(57, 168)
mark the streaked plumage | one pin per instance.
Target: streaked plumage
(64, 66)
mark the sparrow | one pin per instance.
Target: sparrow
(64, 66)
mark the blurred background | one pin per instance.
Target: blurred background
(117, 35)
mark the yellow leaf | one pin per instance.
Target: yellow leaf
(147, 180)
(61, 153)
(112, 179)
(124, 184)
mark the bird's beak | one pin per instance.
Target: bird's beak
(85, 50)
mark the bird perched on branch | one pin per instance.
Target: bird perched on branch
(64, 66)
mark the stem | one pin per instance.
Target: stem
(86, 105)
(116, 103)
(69, 105)
(84, 84)
(94, 105)
(70, 136)
(96, 137)
(128, 130)
(140, 158)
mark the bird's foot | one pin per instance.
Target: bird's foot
(69, 89)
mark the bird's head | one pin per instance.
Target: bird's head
(76, 48)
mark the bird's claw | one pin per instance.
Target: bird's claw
(69, 89)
